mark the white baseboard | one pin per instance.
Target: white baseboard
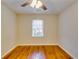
(9, 51)
(34, 44)
(67, 52)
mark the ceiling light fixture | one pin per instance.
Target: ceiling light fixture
(36, 4)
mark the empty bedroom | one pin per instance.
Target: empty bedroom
(39, 29)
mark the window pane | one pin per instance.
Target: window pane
(37, 28)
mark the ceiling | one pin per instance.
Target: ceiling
(54, 6)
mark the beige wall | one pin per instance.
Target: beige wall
(24, 29)
(8, 22)
(68, 30)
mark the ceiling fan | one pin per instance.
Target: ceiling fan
(35, 4)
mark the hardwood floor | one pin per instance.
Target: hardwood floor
(46, 52)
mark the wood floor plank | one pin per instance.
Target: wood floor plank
(16, 53)
(49, 52)
(25, 54)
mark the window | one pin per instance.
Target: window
(37, 28)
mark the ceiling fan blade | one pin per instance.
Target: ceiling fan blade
(44, 7)
(25, 4)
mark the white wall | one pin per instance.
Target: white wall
(24, 29)
(68, 30)
(8, 24)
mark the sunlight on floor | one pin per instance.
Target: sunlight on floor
(37, 55)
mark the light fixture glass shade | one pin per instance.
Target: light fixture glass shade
(39, 4)
(34, 2)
